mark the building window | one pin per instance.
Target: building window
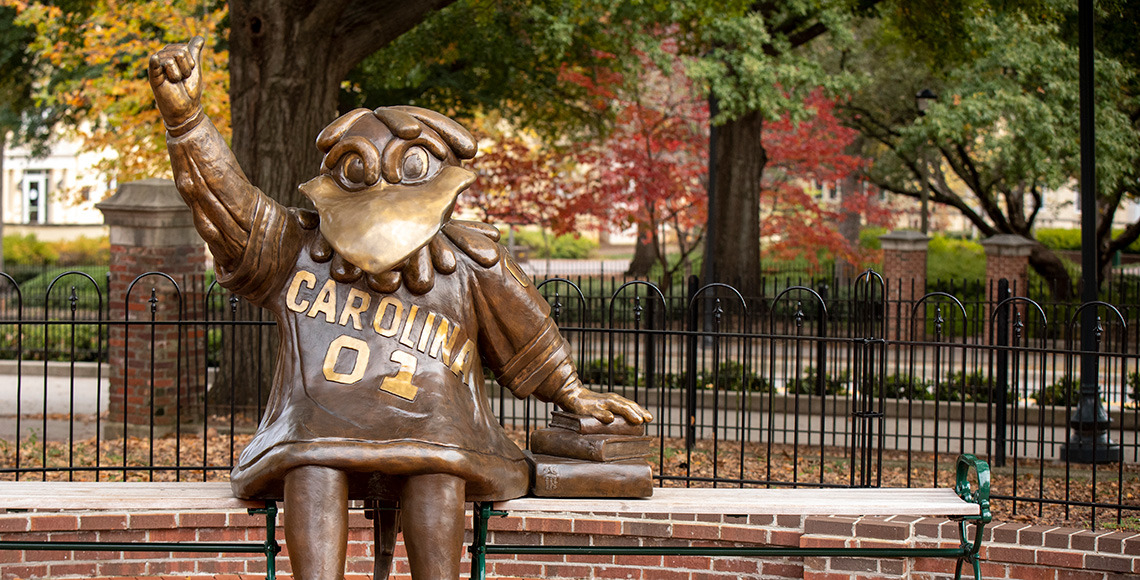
(35, 191)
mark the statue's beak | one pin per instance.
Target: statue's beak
(378, 227)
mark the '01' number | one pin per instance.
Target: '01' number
(399, 385)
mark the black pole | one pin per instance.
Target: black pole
(1001, 377)
(691, 367)
(1088, 442)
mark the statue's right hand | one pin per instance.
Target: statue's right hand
(176, 79)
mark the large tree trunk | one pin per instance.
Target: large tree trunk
(644, 253)
(732, 250)
(287, 60)
(282, 96)
(1049, 265)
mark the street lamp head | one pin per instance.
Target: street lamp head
(924, 99)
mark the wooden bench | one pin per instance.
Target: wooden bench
(132, 496)
(961, 503)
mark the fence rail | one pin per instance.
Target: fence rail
(801, 385)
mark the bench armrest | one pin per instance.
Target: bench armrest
(981, 496)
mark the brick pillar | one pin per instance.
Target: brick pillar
(904, 269)
(157, 370)
(1007, 256)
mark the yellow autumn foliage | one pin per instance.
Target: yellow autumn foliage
(95, 66)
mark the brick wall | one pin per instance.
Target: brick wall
(155, 370)
(1007, 256)
(1012, 551)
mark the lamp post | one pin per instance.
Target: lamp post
(1088, 441)
(923, 99)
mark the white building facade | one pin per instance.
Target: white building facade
(52, 196)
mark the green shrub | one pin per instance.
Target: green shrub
(28, 250)
(729, 377)
(1066, 391)
(964, 387)
(1059, 238)
(811, 384)
(1070, 239)
(567, 246)
(869, 238)
(901, 387)
(60, 345)
(597, 372)
(84, 251)
(955, 260)
(34, 290)
(1133, 386)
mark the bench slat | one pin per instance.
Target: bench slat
(218, 495)
(120, 495)
(811, 502)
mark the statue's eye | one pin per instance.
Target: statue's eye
(417, 164)
(354, 169)
(350, 173)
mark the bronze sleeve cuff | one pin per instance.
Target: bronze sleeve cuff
(187, 125)
(258, 274)
(541, 368)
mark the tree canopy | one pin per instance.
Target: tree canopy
(91, 75)
(1004, 129)
(16, 61)
(569, 71)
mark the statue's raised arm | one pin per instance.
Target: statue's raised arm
(229, 212)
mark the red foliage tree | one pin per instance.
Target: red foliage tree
(804, 154)
(647, 172)
(650, 172)
(522, 182)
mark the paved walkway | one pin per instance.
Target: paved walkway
(48, 401)
(572, 268)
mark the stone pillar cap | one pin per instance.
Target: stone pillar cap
(1008, 245)
(148, 197)
(904, 240)
(149, 212)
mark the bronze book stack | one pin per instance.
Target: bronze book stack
(579, 456)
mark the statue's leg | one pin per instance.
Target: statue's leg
(316, 522)
(431, 515)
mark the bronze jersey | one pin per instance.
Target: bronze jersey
(385, 383)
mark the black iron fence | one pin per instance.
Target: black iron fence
(803, 384)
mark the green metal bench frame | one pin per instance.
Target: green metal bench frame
(270, 548)
(965, 553)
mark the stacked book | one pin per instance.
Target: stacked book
(579, 456)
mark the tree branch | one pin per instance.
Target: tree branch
(1125, 239)
(323, 16)
(1038, 203)
(366, 26)
(959, 160)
